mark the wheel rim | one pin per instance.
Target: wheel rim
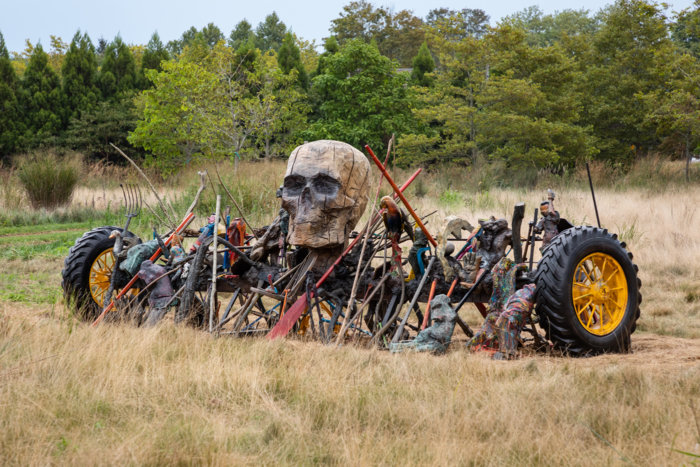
(100, 275)
(599, 293)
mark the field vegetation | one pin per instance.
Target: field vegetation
(120, 394)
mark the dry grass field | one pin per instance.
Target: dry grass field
(70, 394)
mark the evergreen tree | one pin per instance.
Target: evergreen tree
(43, 100)
(242, 33)
(118, 73)
(11, 125)
(270, 33)
(686, 30)
(212, 34)
(331, 47)
(423, 63)
(80, 75)
(154, 54)
(289, 58)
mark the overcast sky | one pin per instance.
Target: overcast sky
(135, 20)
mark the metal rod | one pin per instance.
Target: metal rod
(532, 241)
(595, 205)
(469, 292)
(399, 331)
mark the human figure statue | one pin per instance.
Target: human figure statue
(161, 293)
(512, 320)
(549, 222)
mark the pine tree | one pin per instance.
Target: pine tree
(80, 75)
(43, 100)
(118, 73)
(154, 54)
(270, 33)
(242, 33)
(423, 63)
(289, 58)
(11, 125)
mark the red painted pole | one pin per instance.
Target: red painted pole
(426, 317)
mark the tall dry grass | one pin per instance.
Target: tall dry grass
(119, 395)
(70, 394)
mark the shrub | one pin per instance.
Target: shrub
(49, 179)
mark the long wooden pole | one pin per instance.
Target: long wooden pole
(212, 298)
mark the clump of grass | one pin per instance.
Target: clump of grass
(10, 192)
(450, 197)
(48, 179)
(629, 232)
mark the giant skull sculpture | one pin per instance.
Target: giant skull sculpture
(325, 193)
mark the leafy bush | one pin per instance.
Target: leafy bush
(49, 179)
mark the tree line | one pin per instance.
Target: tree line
(535, 90)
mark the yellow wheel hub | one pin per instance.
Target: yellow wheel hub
(599, 293)
(100, 276)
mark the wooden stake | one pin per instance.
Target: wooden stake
(212, 298)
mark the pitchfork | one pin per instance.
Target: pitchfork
(132, 202)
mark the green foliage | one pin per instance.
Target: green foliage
(118, 72)
(686, 31)
(228, 102)
(107, 122)
(379, 105)
(242, 33)
(49, 179)
(456, 25)
(80, 75)
(629, 55)
(398, 35)
(537, 91)
(289, 58)
(11, 124)
(423, 63)
(270, 33)
(43, 101)
(154, 54)
(208, 36)
(546, 30)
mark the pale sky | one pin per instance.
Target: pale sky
(135, 20)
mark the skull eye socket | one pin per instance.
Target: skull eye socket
(293, 184)
(325, 185)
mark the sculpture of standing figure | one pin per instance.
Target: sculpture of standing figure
(549, 223)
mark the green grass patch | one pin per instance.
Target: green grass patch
(17, 231)
(42, 287)
(48, 245)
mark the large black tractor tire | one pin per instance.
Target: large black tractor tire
(586, 265)
(77, 266)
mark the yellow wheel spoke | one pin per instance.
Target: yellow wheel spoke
(604, 307)
(590, 318)
(584, 307)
